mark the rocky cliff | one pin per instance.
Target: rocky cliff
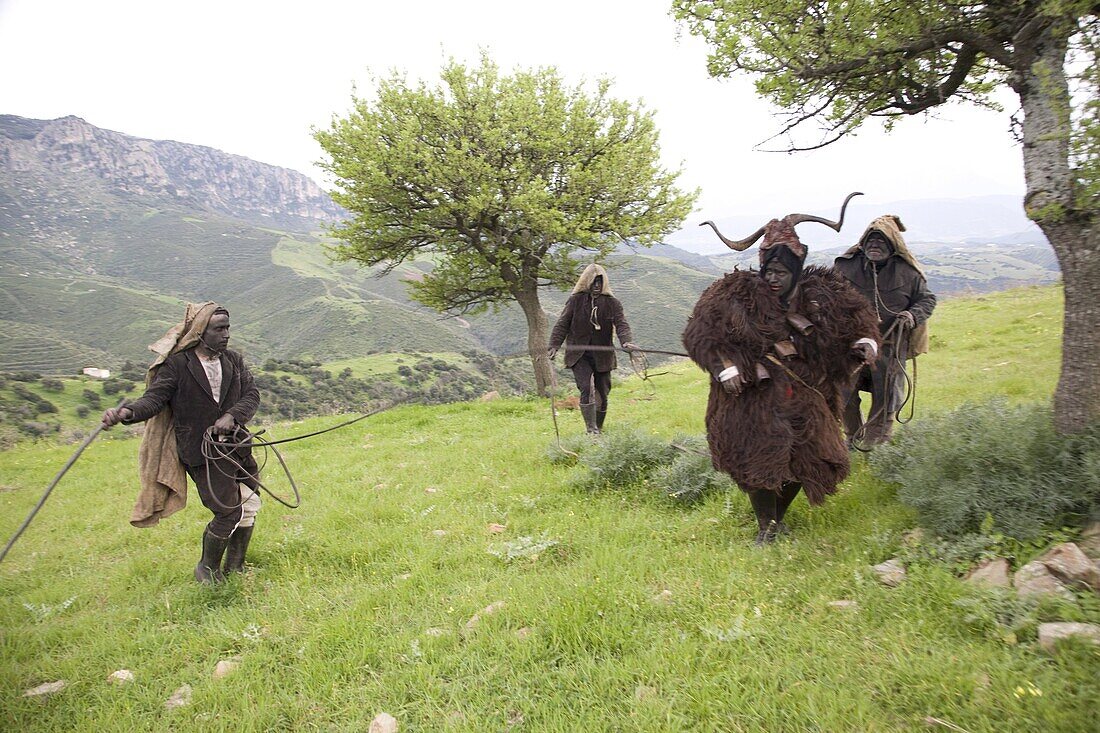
(190, 175)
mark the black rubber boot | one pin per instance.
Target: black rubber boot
(601, 415)
(209, 568)
(235, 551)
(787, 494)
(588, 412)
(763, 506)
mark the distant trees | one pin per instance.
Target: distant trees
(503, 180)
(838, 64)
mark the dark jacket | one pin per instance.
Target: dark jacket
(900, 287)
(575, 323)
(181, 384)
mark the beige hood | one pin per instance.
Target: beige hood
(584, 282)
(891, 227)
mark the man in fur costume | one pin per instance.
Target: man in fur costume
(886, 273)
(196, 384)
(781, 345)
(588, 319)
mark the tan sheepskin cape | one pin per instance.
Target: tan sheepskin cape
(163, 478)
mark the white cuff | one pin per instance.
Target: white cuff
(871, 342)
(728, 373)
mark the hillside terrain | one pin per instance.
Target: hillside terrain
(103, 236)
(445, 570)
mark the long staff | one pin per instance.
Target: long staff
(68, 464)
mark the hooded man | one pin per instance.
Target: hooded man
(196, 384)
(882, 268)
(589, 316)
(781, 345)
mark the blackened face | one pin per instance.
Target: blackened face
(597, 285)
(216, 335)
(779, 278)
(877, 248)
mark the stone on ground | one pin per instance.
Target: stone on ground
(844, 605)
(991, 572)
(890, 573)
(120, 677)
(180, 698)
(1051, 633)
(47, 688)
(1035, 579)
(225, 667)
(1072, 566)
(383, 723)
(1090, 540)
(487, 611)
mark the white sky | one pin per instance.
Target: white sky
(252, 78)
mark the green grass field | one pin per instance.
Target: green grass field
(636, 615)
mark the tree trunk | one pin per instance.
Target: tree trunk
(1050, 202)
(1077, 398)
(538, 336)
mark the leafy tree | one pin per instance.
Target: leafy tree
(504, 180)
(839, 63)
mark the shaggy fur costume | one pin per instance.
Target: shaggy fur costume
(780, 429)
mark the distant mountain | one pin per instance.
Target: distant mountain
(980, 219)
(69, 150)
(103, 236)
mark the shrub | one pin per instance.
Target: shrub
(623, 458)
(992, 460)
(25, 376)
(691, 476)
(91, 397)
(53, 385)
(82, 411)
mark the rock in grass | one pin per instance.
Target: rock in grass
(890, 573)
(383, 723)
(439, 533)
(664, 596)
(487, 611)
(844, 605)
(180, 698)
(47, 688)
(991, 572)
(120, 677)
(495, 528)
(1072, 566)
(225, 667)
(1035, 579)
(1051, 633)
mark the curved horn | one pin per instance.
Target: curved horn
(740, 245)
(793, 219)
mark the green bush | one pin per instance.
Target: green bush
(691, 476)
(992, 460)
(623, 458)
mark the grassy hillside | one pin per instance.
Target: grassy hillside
(634, 615)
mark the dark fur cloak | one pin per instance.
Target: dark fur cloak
(785, 428)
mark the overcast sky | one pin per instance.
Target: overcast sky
(252, 78)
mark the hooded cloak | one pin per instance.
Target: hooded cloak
(589, 321)
(584, 282)
(890, 226)
(163, 477)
